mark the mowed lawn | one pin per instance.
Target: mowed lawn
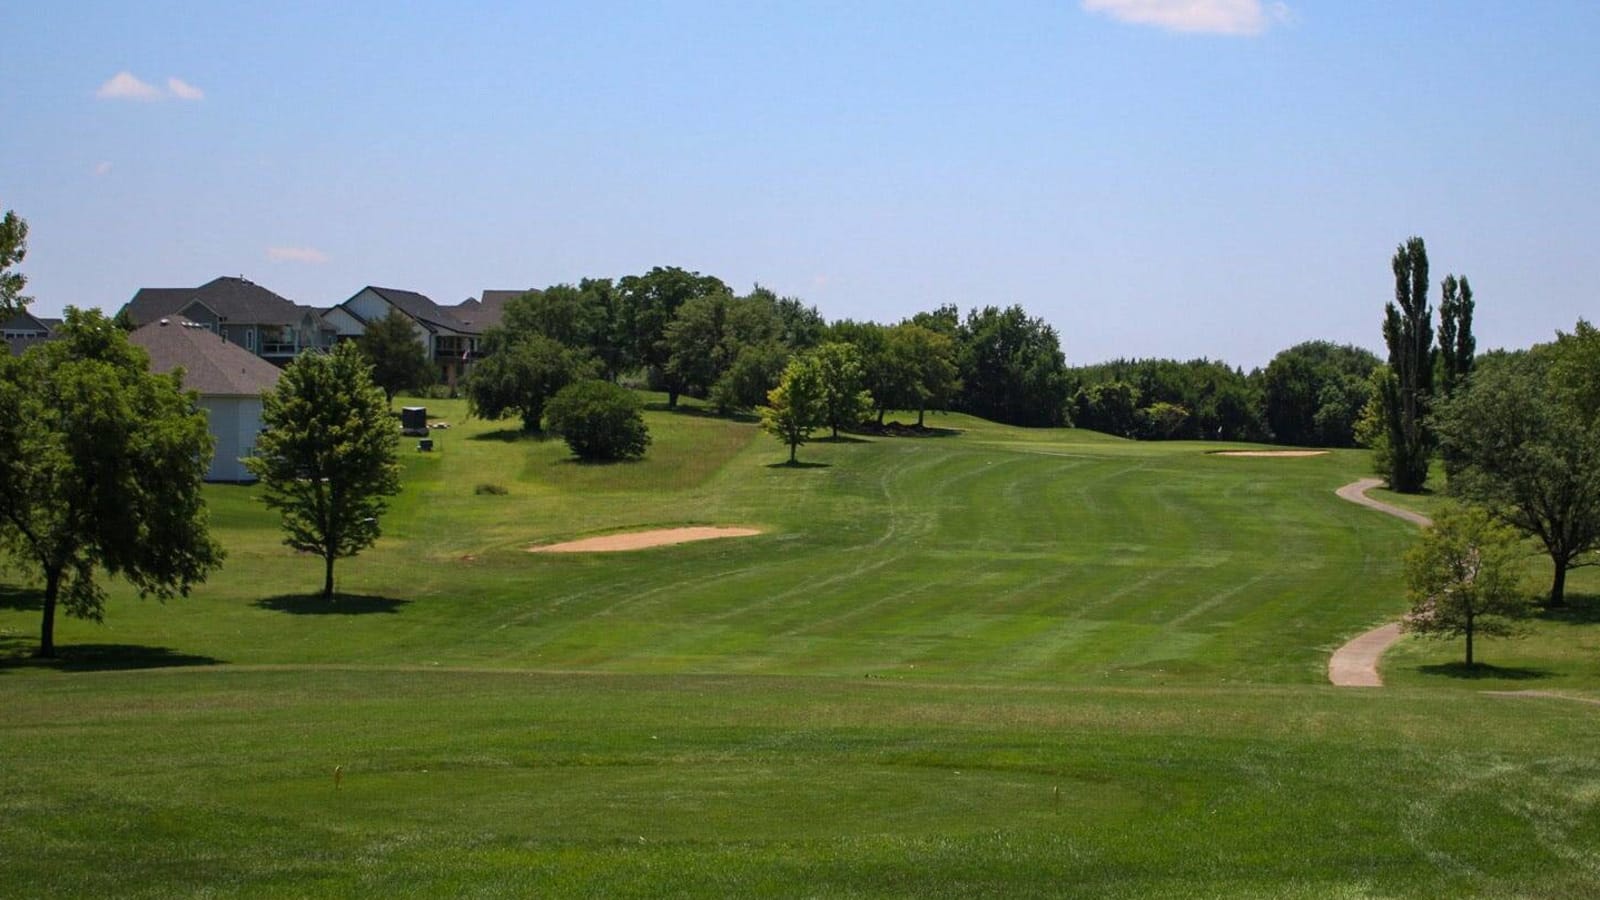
(996, 662)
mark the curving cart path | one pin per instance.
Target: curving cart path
(1356, 663)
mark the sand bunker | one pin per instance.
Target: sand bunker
(1279, 453)
(639, 540)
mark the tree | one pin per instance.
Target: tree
(1519, 441)
(647, 304)
(399, 359)
(1457, 346)
(1461, 578)
(100, 468)
(583, 317)
(13, 247)
(755, 371)
(599, 420)
(1408, 332)
(520, 375)
(845, 401)
(1012, 369)
(1315, 392)
(1109, 406)
(795, 407)
(327, 458)
(927, 361)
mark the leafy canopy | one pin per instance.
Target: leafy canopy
(796, 407)
(1461, 578)
(327, 459)
(13, 247)
(398, 357)
(100, 468)
(599, 420)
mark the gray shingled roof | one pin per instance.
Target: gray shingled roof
(422, 309)
(211, 365)
(487, 313)
(234, 299)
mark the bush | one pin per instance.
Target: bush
(599, 420)
(497, 490)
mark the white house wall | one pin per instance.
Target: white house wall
(234, 423)
(372, 307)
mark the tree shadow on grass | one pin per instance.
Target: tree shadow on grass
(701, 412)
(510, 436)
(1484, 670)
(340, 605)
(17, 653)
(21, 599)
(1581, 609)
(841, 439)
(799, 465)
(598, 463)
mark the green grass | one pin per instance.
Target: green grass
(998, 662)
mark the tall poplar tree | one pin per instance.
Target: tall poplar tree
(1406, 391)
(1457, 346)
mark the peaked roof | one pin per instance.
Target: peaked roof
(211, 365)
(234, 299)
(488, 312)
(26, 321)
(422, 308)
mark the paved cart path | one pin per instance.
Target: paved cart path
(1356, 663)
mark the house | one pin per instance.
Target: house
(24, 329)
(488, 311)
(449, 341)
(243, 312)
(229, 379)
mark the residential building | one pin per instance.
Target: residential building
(450, 342)
(243, 312)
(229, 379)
(24, 329)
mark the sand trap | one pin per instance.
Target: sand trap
(1278, 453)
(639, 540)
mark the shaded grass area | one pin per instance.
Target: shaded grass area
(1559, 651)
(521, 783)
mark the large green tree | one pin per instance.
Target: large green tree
(925, 364)
(328, 457)
(13, 247)
(796, 407)
(1461, 578)
(519, 375)
(1315, 392)
(1406, 392)
(1012, 368)
(398, 357)
(599, 420)
(1457, 347)
(584, 316)
(845, 399)
(1521, 441)
(100, 469)
(647, 305)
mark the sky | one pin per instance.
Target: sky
(1173, 178)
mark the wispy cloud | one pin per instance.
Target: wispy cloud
(102, 168)
(1233, 17)
(128, 86)
(124, 86)
(183, 90)
(296, 254)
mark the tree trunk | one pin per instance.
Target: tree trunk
(835, 431)
(47, 625)
(1469, 643)
(881, 411)
(1558, 588)
(327, 580)
(672, 398)
(919, 418)
(792, 448)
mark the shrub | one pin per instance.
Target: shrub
(488, 488)
(599, 420)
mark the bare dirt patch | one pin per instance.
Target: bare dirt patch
(640, 540)
(1270, 453)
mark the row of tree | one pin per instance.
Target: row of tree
(688, 334)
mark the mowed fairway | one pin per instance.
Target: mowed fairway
(999, 662)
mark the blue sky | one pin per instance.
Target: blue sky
(1177, 178)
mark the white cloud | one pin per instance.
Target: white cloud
(296, 254)
(1235, 17)
(183, 90)
(124, 86)
(101, 168)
